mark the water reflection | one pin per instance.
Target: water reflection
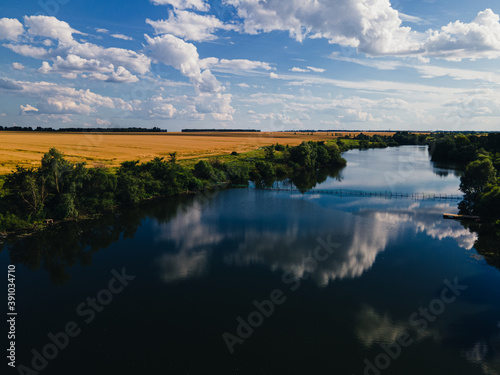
(286, 243)
(72, 243)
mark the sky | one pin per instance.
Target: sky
(272, 65)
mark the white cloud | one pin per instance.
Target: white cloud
(183, 56)
(190, 26)
(157, 107)
(121, 36)
(133, 61)
(309, 69)
(71, 57)
(102, 122)
(74, 65)
(371, 26)
(216, 104)
(173, 51)
(102, 31)
(458, 40)
(10, 28)
(316, 70)
(353, 115)
(184, 4)
(243, 85)
(17, 66)
(432, 71)
(236, 66)
(27, 109)
(298, 70)
(31, 51)
(50, 27)
(56, 99)
(412, 19)
(277, 118)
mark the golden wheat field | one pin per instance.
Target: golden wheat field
(110, 149)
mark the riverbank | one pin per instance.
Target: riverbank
(60, 190)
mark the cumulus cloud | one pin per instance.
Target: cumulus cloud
(71, 58)
(134, 61)
(10, 28)
(371, 26)
(50, 27)
(458, 40)
(354, 115)
(57, 99)
(200, 5)
(17, 66)
(183, 56)
(190, 26)
(74, 64)
(32, 51)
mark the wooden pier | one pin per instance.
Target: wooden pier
(380, 194)
(462, 217)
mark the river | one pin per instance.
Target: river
(248, 281)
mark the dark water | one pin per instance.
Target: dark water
(290, 283)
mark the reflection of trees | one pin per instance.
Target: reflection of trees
(444, 169)
(305, 180)
(59, 248)
(487, 243)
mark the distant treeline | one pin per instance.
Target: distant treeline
(347, 131)
(221, 130)
(83, 130)
(382, 131)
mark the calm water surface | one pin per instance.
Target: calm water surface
(360, 285)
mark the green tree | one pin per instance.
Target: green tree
(55, 169)
(30, 186)
(478, 174)
(269, 150)
(303, 155)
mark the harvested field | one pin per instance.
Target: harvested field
(110, 149)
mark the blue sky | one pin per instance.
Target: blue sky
(271, 65)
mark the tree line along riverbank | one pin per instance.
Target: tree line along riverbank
(60, 190)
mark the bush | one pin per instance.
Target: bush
(10, 222)
(238, 173)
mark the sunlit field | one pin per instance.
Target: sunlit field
(110, 149)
